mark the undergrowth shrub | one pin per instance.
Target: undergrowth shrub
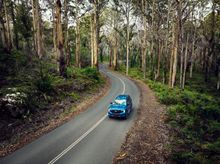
(40, 82)
(17, 102)
(91, 73)
(74, 96)
(44, 83)
(82, 73)
(194, 118)
(11, 64)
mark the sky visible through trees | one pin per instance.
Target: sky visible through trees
(168, 25)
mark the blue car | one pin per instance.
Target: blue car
(121, 107)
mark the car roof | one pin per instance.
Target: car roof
(122, 97)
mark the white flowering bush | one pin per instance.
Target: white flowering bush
(13, 102)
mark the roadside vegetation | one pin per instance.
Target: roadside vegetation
(194, 117)
(45, 65)
(30, 86)
(33, 96)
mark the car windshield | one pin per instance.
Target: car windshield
(120, 102)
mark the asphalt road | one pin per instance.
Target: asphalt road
(89, 138)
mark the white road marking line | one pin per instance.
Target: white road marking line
(85, 134)
(77, 141)
(123, 83)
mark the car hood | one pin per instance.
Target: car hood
(117, 107)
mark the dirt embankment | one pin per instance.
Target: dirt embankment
(26, 131)
(147, 141)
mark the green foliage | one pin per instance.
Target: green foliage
(91, 73)
(84, 73)
(48, 32)
(213, 147)
(85, 58)
(133, 72)
(122, 68)
(194, 118)
(183, 157)
(18, 101)
(40, 82)
(23, 21)
(70, 72)
(44, 83)
(74, 96)
(207, 24)
(15, 60)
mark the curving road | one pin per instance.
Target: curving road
(91, 137)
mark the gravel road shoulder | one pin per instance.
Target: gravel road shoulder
(148, 140)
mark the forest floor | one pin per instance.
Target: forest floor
(148, 140)
(25, 131)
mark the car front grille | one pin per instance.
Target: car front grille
(116, 111)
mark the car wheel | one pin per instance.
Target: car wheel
(109, 117)
(126, 116)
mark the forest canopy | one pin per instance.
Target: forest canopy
(164, 38)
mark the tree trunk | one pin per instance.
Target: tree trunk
(166, 50)
(171, 56)
(185, 63)
(174, 68)
(153, 40)
(77, 53)
(60, 43)
(144, 46)
(211, 42)
(3, 36)
(127, 38)
(115, 59)
(38, 41)
(96, 37)
(77, 43)
(192, 61)
(54, 31)
(144, 51)
(127, 50)
(34, 24)
(39, 32)
(181, 65)
(110, 56)
(92, 39)
(192, 56)
(114, 41)
(152, 54)
(66, 21)
(207, 66)
(177, 29)
(14, 25)
(8, 38)
(160, 51)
